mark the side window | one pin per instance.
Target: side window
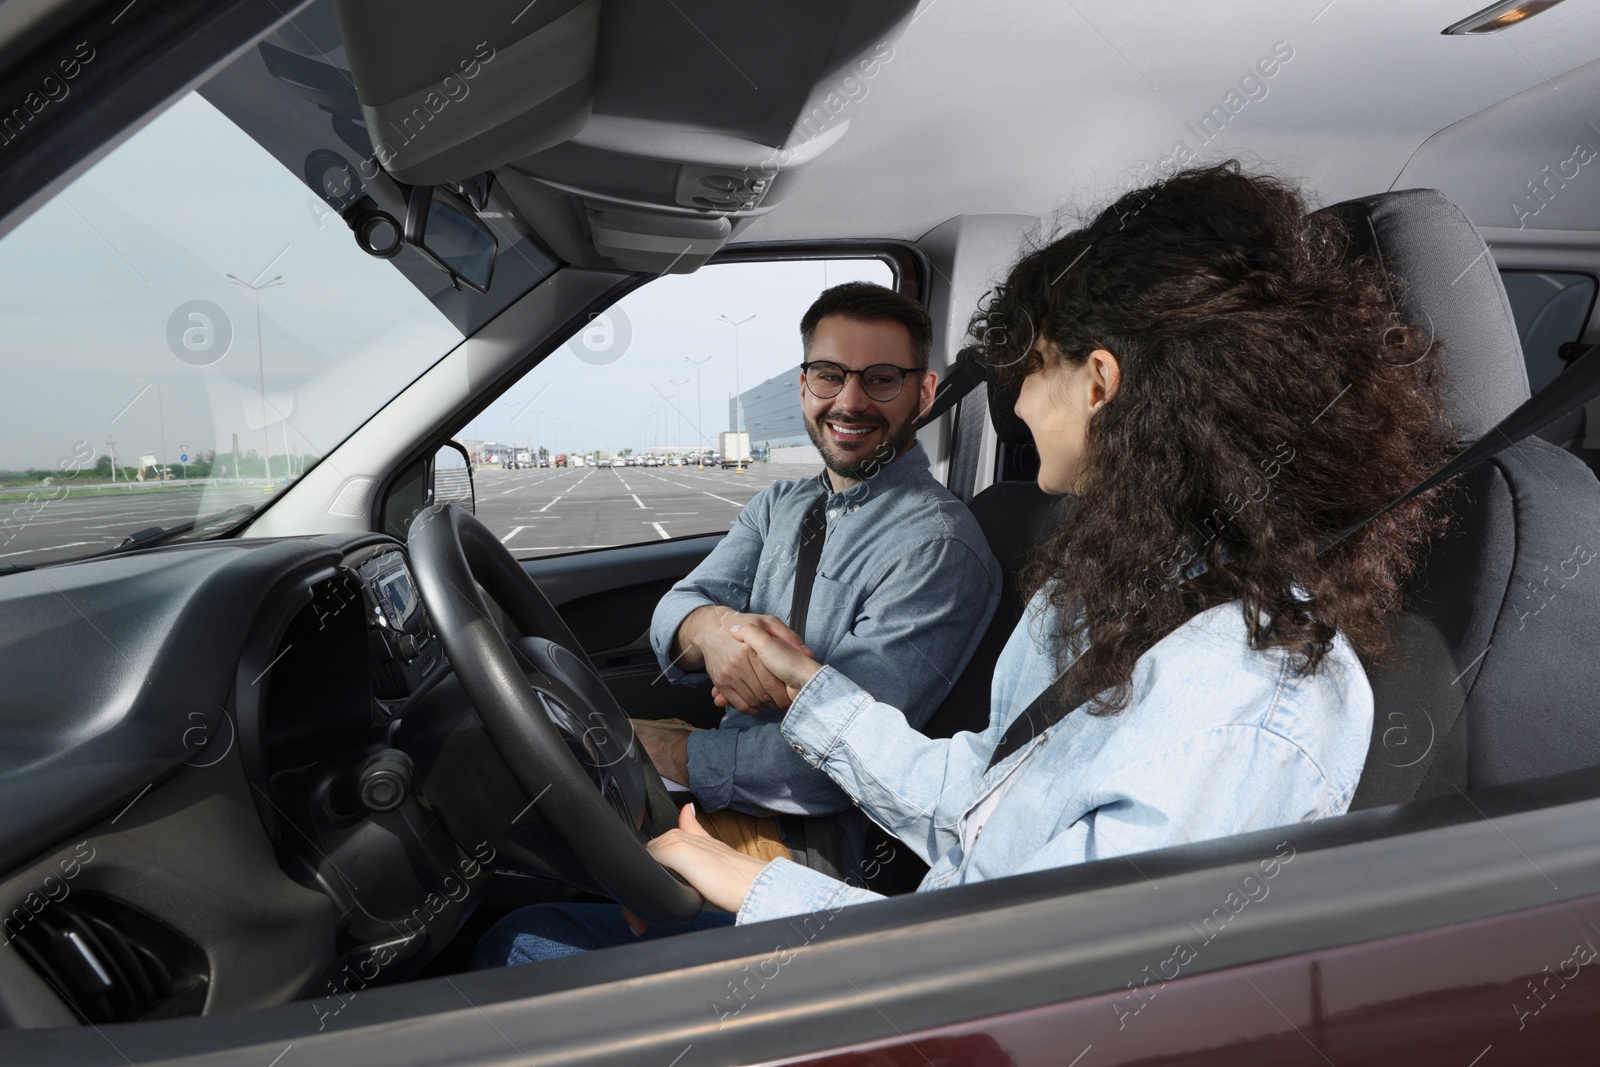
(662, 417)
(1550, 309)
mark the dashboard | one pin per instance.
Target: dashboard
(207, 736)
(405, 651)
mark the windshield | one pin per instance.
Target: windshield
(190, 326)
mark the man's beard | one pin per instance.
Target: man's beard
(897, 438)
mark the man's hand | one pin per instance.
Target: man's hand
(737, 673)
(792, 667)
(722, 875)
(667, 749)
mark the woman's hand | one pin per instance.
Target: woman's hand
(782, 660)
(722, 874)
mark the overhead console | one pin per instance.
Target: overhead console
(448, 96)
(626, 134)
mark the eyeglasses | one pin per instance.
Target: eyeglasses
(881, 381)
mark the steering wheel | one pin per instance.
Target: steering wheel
(540, 727)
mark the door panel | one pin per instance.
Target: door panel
(608, 597)
(1515, 988)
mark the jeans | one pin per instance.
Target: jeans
(546, 931)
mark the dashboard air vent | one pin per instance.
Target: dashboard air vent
(114, 964)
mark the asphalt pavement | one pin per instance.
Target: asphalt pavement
(534, 512)
(545, 511)
(35, 528)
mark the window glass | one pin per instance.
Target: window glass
(619, 436)
(1550, 309)
(190, 326)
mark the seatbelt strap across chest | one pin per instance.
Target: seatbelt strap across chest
(813, 533)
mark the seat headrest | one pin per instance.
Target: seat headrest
(1002, 401)
(1002, 413)
(1452, 287)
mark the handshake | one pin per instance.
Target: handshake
(755, 661)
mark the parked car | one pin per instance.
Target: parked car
(257, 816)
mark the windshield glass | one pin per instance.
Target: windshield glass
(190, 325)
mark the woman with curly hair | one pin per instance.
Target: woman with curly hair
(1223, 393)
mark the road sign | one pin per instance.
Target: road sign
(183, 457)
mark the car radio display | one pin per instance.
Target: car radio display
(396, 595)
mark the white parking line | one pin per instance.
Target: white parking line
(724, 499)
(547, 506)
(514, 531)
(659, 530)
(636, 500)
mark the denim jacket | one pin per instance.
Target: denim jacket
(904, 591)
(1217, 739)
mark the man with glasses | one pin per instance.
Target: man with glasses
(872, 565)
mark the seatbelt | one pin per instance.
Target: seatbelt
(813, 532)
(1563, 395)
(1046, 710)
(965, 375)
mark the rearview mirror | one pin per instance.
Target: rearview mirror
(443, 227)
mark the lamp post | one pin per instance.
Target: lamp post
(738, 398)
(261, 368)
(677, 402)
(700, 401)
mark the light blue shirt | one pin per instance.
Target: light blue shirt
(1217, 739)
(904, 591)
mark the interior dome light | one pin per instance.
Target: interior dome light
(1497, 17)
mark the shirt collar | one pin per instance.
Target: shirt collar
(902, 470)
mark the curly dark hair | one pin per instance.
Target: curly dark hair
(1270, 396)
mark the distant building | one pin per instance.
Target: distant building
(772, 411)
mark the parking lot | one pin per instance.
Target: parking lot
(546, 511)
(37, 528)
(534, 512)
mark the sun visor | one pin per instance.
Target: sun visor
(705, 119)
(446, 97)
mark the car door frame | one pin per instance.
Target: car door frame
(1036, 961)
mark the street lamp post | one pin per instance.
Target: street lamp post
(738, 398)
(161, 416)
(261, 367)
(677, 402)
(700, 401)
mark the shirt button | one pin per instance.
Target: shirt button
(833, 513)
(800, 750)
(856, 802)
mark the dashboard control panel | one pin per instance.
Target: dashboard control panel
(405, 649)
